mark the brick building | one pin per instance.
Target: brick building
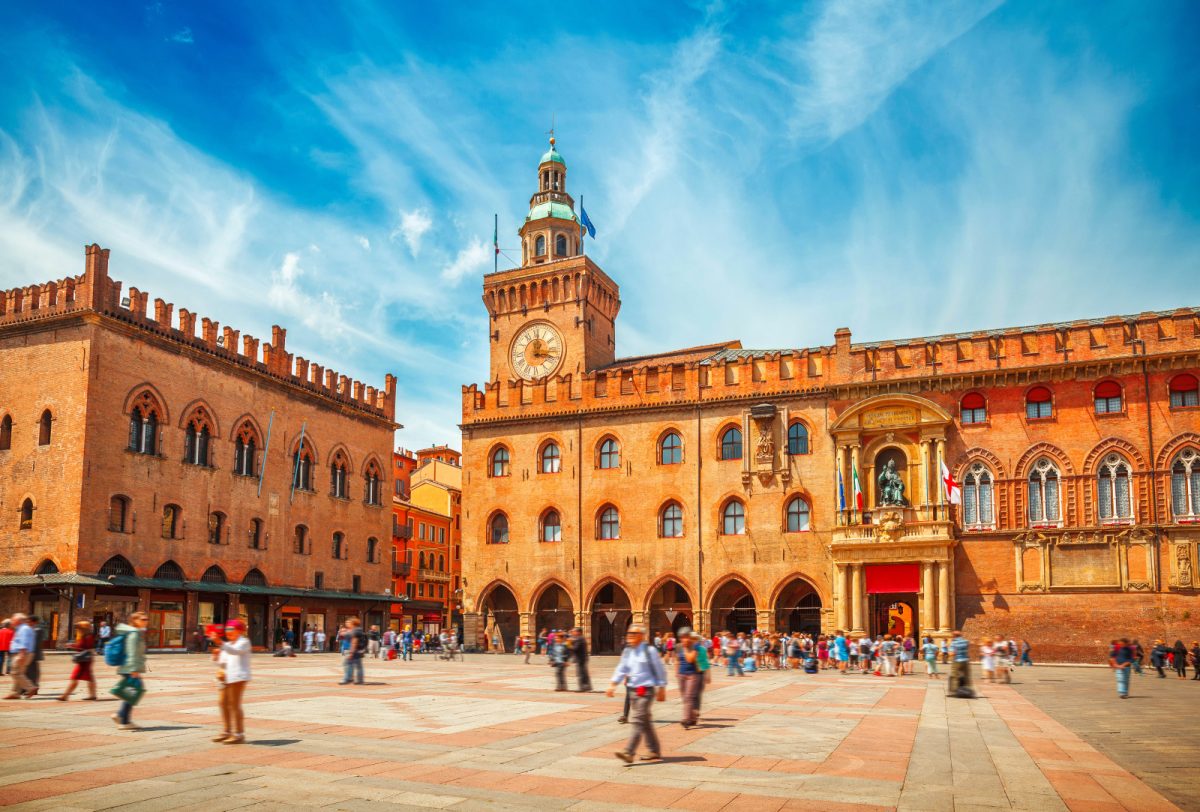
(701, 486)
(426, 538)
(191, 476)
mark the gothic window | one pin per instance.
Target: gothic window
(551, 526)
(6, 433)
(47, 567)
(371, 488)
(216, 527)
(560, 246)
(255, 534)
(610, 524)
(118, 514)
(551, 458)
(797, 439)
(339, 546)
(1185, 392)
(731, 444)
(143, 425)
(1185, 486)
(373, 550)
(170, 521)
(338, 488)
(500, 459)
(539, 248)
(1107, 398)
(214, 575)
(733, 518)
(27, 514)
(670, 521)
(169, 571)
(117, 565)
(610, 454)
(798, 515)
(255, 578)
(244, 448)
(300, 540)
(671, 449)
(1038, 403)
(977, 498)
(1112, 490)
(199, 430)
(498, 529)
(973, 409)
(302, 465)
(1044, 505)
(44, 425)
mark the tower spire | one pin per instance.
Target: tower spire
(551, 229)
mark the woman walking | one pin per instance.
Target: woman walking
(690, 676)
(929, 651)
(233, 658)
(132, 637)
(987, 660)
(1181, 654)
(84, 647)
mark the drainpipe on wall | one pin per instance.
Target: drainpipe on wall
(1136, 342)
(578, 518)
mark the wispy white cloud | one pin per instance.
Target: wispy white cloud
(412, 227)
(363, 241)
(471, 260)
(183, 36)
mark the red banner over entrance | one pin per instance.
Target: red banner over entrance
(883, 578)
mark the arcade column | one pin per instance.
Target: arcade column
(858, 600)
(945, 621)
(928, 612)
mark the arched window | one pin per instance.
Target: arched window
(1112, 489)
(338, 549)
(27, 514)
(500, 460)
(244, 448)
(560, 246)
(1185, 392)
(610, 454)
(255, 578)
(214, 575)
(1038, 403)
(338, 487)
(198, 433)
(302, 465)
(6, 433)
(539, 246)
(551, 526)
(255, 534)
(733, 518)
(47, 567)
(169, 571)
(1043, 493)
(797, 438)
(170, 521)
(973, 408)
(731, 443)
(143, 425)
(216, 527)
(44, 426)
(610, 524)
(498, 529)
(1107, 398)
(372, 493)
(1185, 486)
(798, 514)
(300, 540)
(670, 450)
(421, 560)
(372, 550)
(117, 565)
(118, 514)
(551, 458)
(977, 498)
(670, 521)
(441, 563)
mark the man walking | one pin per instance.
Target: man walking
(33, 672)
(309, 638)
(406, 643)
(579, 653)
(557, 654)
(373, 640)
(353, 656)
(21, 650)
(642, 670)
(960, 671)
(1121, 661)
(102, 635)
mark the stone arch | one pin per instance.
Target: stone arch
(366, 464)
(309, 444)
(185, 414)
(146, 388)
(486, 592)
(609, 598)
(341, 448)
(969, 456)
(793, 606)
(500, 616)
(659, 582)
(47, 566)
(1174, 446)
(1044, 449)
(553, 606)
(237, 425)
(848, 419)
(1110, 444)
(660, 602)
(733, 604)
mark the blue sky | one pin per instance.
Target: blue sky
(760, 171)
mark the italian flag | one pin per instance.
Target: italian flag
(856, 490)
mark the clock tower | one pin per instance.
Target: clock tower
(555, 314)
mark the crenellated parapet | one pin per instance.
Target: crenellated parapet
(95, 291)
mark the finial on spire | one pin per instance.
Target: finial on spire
(551, 130)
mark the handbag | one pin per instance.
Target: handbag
(81, 657)
(128, 689)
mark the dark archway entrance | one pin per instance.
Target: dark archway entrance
(554, 610)
(894, 613)
(798, 608)
(500, 614)
(611, 614)
(733, 609)
(670, 609)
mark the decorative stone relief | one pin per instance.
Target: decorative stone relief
(1182, 568)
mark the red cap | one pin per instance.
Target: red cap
(236, 623)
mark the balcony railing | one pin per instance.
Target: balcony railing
(433, 575)
(401, 568)
(401, 531)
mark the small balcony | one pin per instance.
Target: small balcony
(433, 575)
(401, 531)
(401, 568)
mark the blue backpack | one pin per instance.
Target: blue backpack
(114, 651)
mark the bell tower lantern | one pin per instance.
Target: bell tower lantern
(551, 229)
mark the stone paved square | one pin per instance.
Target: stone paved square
(491, 733)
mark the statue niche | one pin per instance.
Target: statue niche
(892, 467)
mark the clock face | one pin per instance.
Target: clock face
(536, 351)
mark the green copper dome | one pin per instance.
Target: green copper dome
(552, 209)
(552, 156)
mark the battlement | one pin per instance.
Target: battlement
(95, 291)
(729, 372)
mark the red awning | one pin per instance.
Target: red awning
(893, 578)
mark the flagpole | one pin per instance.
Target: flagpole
(496, 243)
(582, 230)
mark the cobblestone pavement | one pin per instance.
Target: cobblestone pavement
(491, 734)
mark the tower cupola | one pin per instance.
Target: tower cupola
(551, 229)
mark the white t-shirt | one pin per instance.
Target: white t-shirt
(235, 659)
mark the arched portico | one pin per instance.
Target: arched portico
(499, 615)
(733, 607)
(669, 608)
(611, 613)
(797, 607)
(553, 609)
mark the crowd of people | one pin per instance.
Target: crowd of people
(1127, 657)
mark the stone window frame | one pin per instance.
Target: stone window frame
(1191, 394)
(724, 432)
(787, 510)
(246, 437)
(976, 419)
(975, 468)
(662, 519)
(661, 448)
(725, 517)
(200, 429)
(46, 427)
(1110, 463)
(126, 523)
(1050, 400)
(177, 528)
(808, 437)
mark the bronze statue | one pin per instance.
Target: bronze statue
(891, 486)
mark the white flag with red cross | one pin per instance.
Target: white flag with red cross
(953, 489)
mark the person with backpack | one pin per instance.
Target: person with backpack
(127, 651)
(233, 657)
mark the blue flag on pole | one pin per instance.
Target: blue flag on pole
(841, 488)
(586, 222)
